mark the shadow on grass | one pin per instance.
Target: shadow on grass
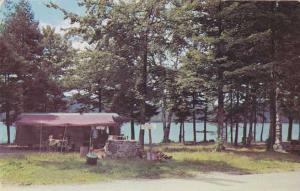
(145, 169)
(121, 169)
(267, 155)
(204, 147)
(256, 152)
(190, 149)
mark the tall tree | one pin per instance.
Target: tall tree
(23, 40)
(22, 32)
(58, 57)
(9, 86)
(115, 26)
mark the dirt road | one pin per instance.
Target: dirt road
(288, 181)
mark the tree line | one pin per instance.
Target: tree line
(222, 62)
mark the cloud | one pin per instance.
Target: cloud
(59, 28)
(80, 44)
(77, 42)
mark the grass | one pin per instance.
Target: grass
(57, 168)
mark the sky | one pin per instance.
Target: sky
(50, 16)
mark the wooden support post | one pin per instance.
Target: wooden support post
(41, 137)
(63, 140)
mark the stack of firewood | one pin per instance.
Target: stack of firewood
(162, 156)
(159, 156)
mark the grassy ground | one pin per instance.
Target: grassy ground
(56, 168)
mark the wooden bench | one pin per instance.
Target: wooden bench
(291, 146)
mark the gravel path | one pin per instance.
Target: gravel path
(287, 181)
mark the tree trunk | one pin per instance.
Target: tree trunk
(141, 137)
(164, 117)
(271, 139)
(273, 97)
(7, 108)
(299, 130)
(205, 124)
(249, 139)
(8, 127)
(132, 129)
(100, 100)
(254, 132)
(278, 131)
(45, 103)
(226, 131)
(194, 117)
(255, 124)
(167, 128)
(236, 134)
(183, 133)
(263, 124)
(245, 131)
(180, 133)
(290, 130)
(231, 132)
(144, 89)
(252, 120)
(150, 140)
(231, 119)
(220, 77)
(262, 132)
(8, 133)
(7, 121)
(237, 120)
(220, 114)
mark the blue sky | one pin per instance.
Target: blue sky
(47, 16)
(52, 17)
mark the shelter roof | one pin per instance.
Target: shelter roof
(68, 119)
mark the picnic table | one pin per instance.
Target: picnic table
(59, 144)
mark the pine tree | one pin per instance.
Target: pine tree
(21, 39)
(22, 32)
(57, 59)
(9, 86)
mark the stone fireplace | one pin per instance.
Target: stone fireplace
(122, 149)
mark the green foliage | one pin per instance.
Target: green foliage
(58, 58)
(188, 58)
(32, 65)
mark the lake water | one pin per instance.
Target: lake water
(157, 132)
(3, 133)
